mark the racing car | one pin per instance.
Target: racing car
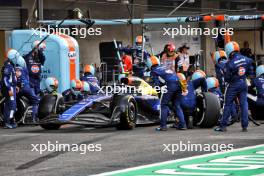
(122, 110)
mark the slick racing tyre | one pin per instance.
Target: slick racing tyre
(48, 106)
(128, 115)
(22, 106)
(208, 110)
(256, 111)
(2, 99)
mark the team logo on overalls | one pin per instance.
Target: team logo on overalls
(241, 71)
(35, 68)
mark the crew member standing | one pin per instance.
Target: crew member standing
(9, 82)
(238, 68)
(35, 60)
(162, 75)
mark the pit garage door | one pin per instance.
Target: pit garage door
(10, 19)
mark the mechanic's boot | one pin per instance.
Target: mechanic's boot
(244, 130)
(190, 122)
(161, 129)
(13, 123)
(181, 127)
(8, 126)
(35, 120)
(220, 129)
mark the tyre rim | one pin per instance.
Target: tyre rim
(132, 111)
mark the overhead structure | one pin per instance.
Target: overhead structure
(206, 18)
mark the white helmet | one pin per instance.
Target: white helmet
(12, 55)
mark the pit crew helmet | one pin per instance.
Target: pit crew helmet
(76, 84)
(51, 84)
(21, 62)
(85, 87)
(217, 55)
(89, 69)
(153, 60)
(212, 82)
(139, 40)
(198, 74)
(260, 70)
(12, 55)
(231, 47)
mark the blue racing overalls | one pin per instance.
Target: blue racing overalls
(34, 61)
(26, 90)
(92, 81)
(9, 82)
(188, 102)
(237, 69)
(162, 75)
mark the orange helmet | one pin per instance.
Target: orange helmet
(153, 60)
(76, 84)
(139, 40)
(89, 69)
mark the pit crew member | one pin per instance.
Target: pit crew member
(238, 68)
(9, 83)
(163, 76)
(74, 93)
(188, 102)
(24, 87)
(89, 77)
(213, 87)
(51, 86)
(258, 83)
(35, 60)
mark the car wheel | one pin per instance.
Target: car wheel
(2, 99)
(22, 106)
(47, 107)
(128, 117)
(256, 111)
(208, 110)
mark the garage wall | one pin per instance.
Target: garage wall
(10, 18)
(89, 47)
(252, 37)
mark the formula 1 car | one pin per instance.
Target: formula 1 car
(123, 110)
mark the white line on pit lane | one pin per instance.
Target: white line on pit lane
(177, 160)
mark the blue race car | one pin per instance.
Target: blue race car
(123, 110)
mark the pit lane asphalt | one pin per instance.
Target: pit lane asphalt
(120, 149)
